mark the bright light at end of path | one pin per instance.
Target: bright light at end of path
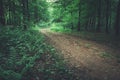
(51, 0)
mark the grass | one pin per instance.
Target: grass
(59, 28)
(88, 45)
(106, 55)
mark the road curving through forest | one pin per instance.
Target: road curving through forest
(81, 53)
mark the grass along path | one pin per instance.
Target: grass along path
(86, 55)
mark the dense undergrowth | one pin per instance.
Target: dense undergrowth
(24, 55)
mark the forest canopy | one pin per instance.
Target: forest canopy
(88, 15)
(23, 12)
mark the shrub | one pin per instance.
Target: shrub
(18, 52)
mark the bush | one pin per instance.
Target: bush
(18, 52)
(57, 27)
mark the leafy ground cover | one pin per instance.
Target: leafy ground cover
(25, 55)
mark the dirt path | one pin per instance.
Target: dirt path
(81, 53)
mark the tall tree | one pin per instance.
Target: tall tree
(117, 21)
(98, 29)
(107, 15)
(79, 13)
(2, 20)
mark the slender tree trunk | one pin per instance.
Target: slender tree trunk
(71, 21)
(14, 15)
(9, 22)
(86, 26)
(110, 17)
(27, 10)
(98, 29)
(36, 14)
(25, 13)
(2, 20)
(79, 13)
(110, 22)
(117, 22)
(107, 15)
(92, 23)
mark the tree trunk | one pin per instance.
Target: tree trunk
(117, 22)
(72, 21)
(107, 15)
(25, 13)
(98, 29)
(79, 13)
(110, 17)
(35, 14)
(2, 20)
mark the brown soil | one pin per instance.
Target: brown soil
(81, 53)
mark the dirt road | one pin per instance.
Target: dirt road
(86, 54)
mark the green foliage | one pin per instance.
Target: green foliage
(24, 55)
(19, 50)
(58, 28)
(87, 15)
(87, 45)
(9, 75)
(106, 55)
(23, 12)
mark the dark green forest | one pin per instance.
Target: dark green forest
(28, 53)
(96, 16)
(88, 15)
